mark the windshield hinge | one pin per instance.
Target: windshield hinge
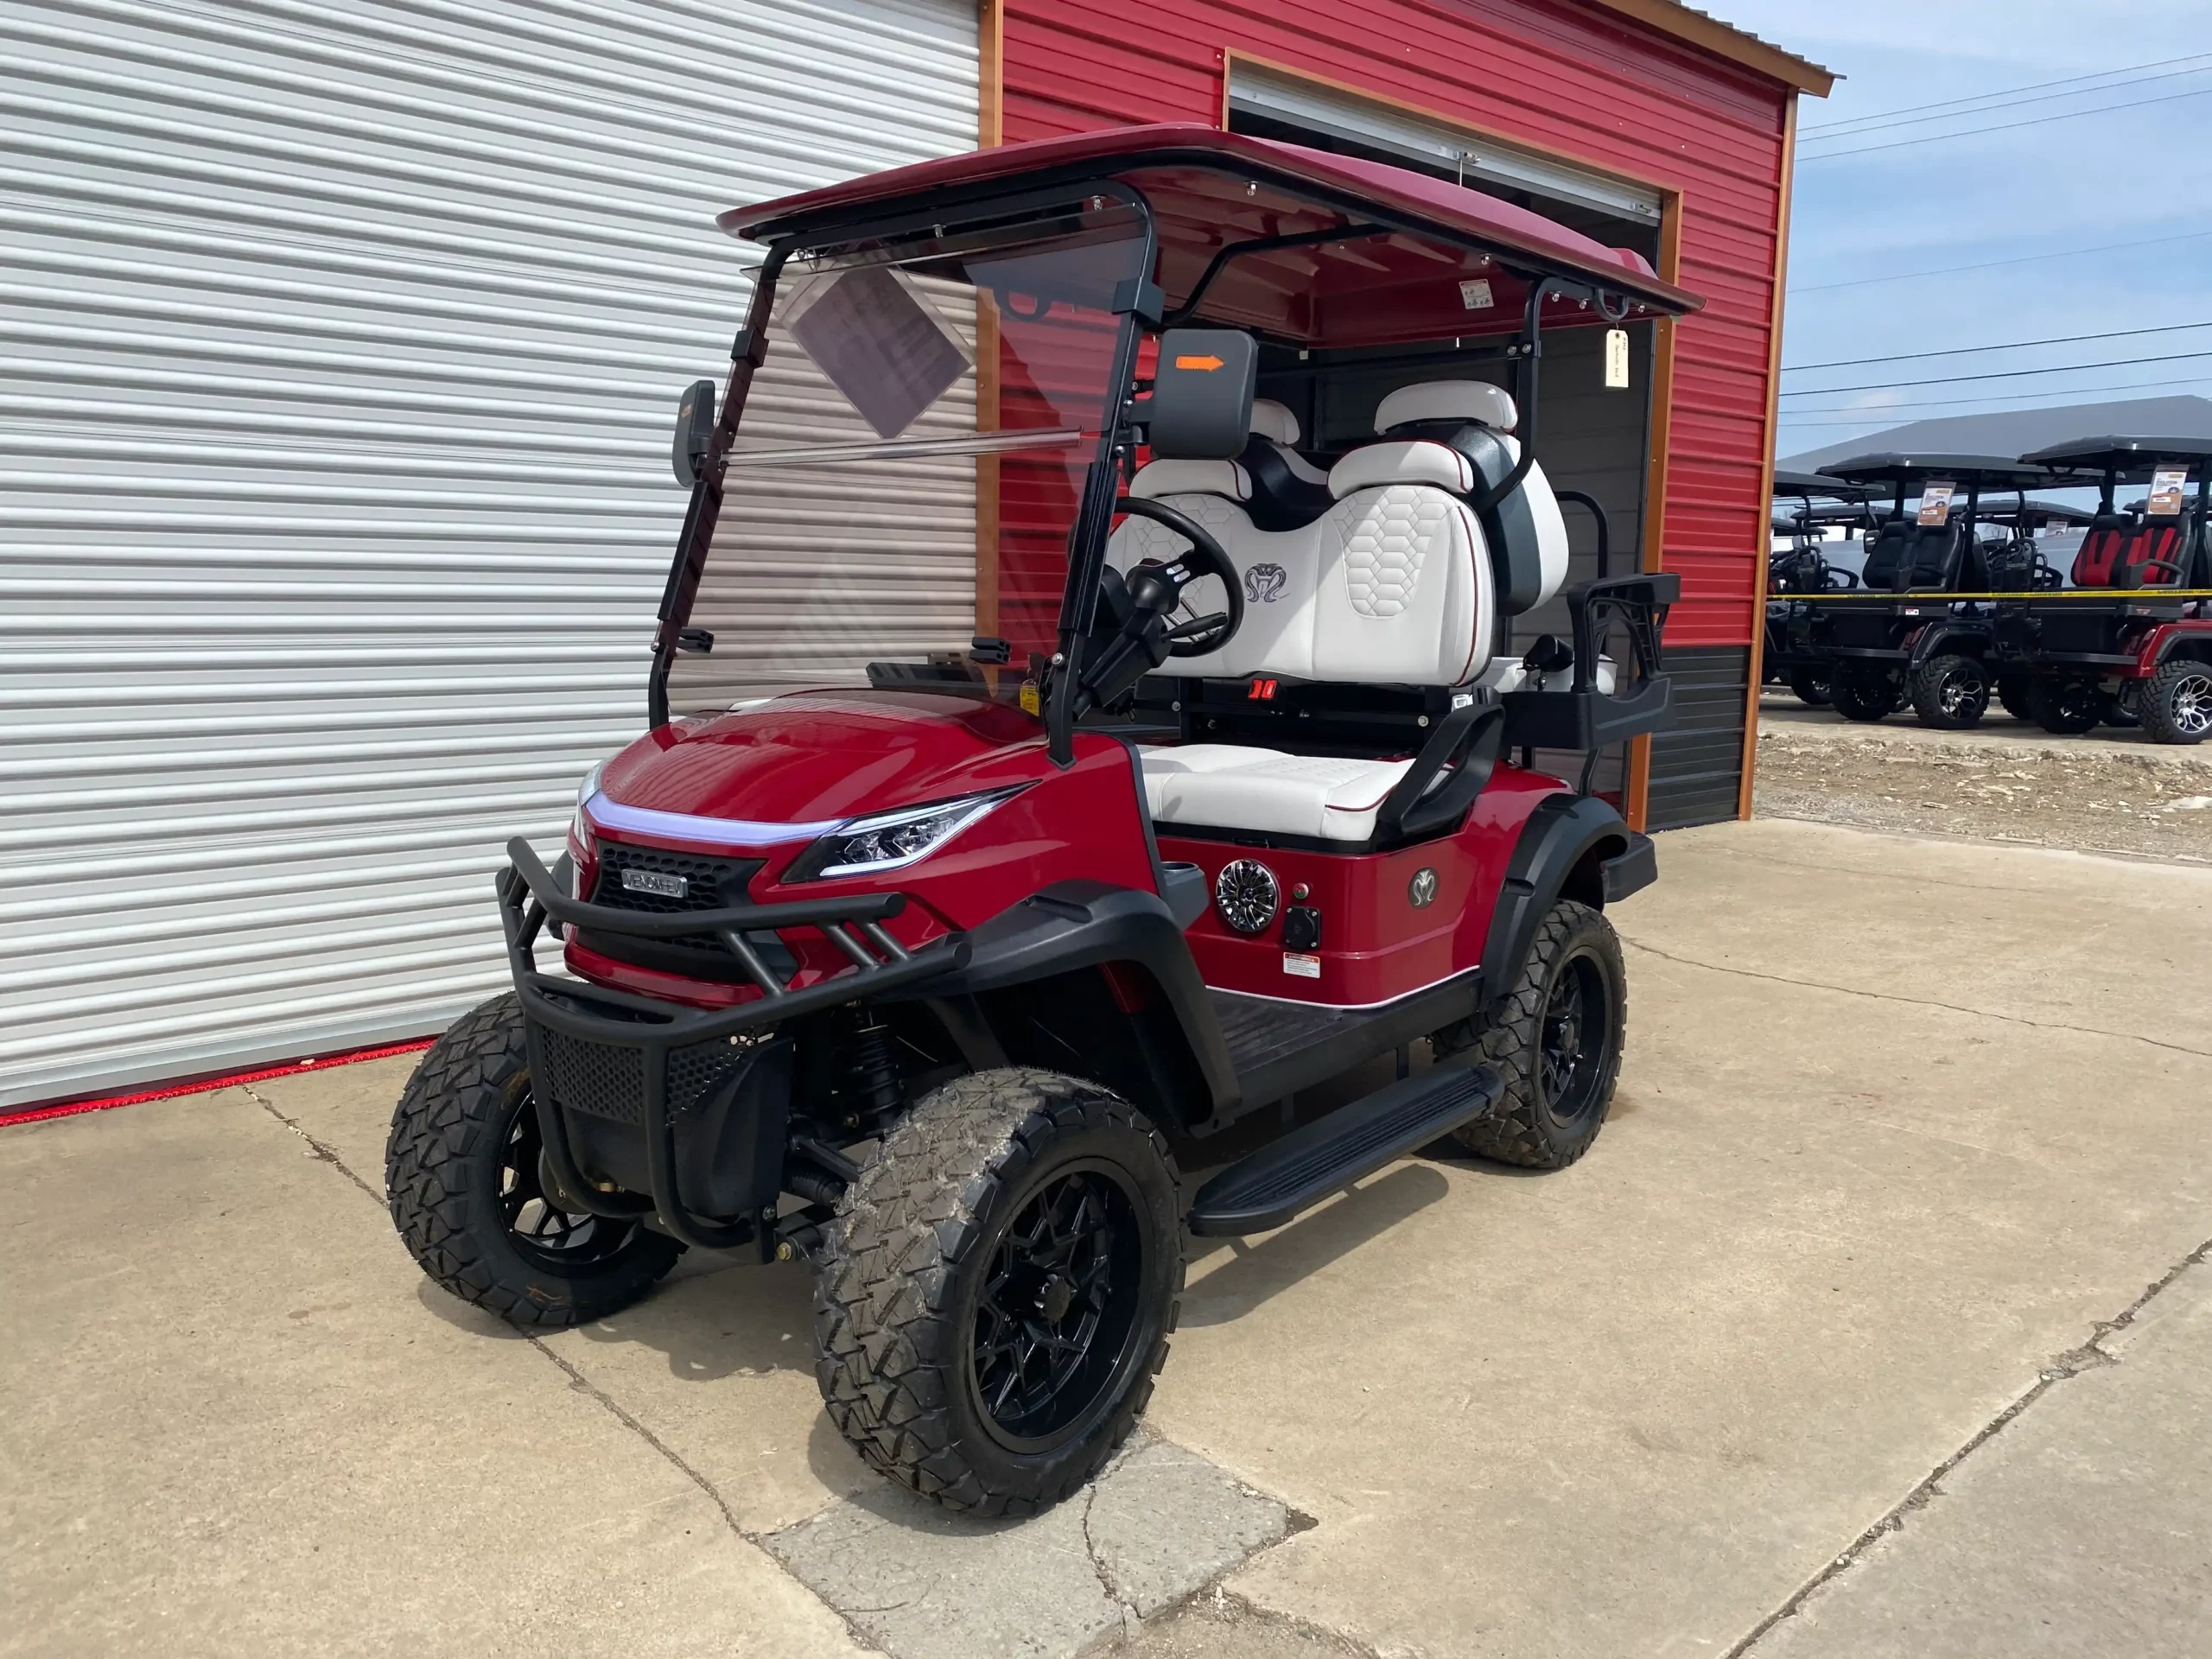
(1143, 297)
(749, 346)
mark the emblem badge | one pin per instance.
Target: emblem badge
(1422, 888)
(1263, 583)
(1247, 895)
(653, 881)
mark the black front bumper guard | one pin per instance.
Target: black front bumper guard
(647, 1031)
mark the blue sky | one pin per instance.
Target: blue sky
(2135, 172)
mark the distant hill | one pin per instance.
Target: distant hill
(2014, 432)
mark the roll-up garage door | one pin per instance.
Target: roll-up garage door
(338, 358)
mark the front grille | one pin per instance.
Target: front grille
(692, 1072)
(709, 883)
(602, 1079)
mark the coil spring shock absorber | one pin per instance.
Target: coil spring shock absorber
(874, 1069)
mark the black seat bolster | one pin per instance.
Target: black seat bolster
(1890, 549)
(1516, 557)
(1281, 499)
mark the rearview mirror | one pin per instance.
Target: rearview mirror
(695, 431)
(1202, 394)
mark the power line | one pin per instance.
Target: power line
(2003, 345)
(2007, 126)
(1955, 110)
(1991, 265)
(1871, 416)
(2008, 92)
(2000, 374)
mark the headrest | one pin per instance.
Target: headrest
(1449, 400)
(1158, 477)
(1274, 421)
(1413, 462)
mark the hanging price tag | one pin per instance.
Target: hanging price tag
(2167, 484)
(1616, 359)
(1935, 502)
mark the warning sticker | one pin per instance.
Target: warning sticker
(1302, 967)
(1475, 295)
(1935, 502)
(2168, 484)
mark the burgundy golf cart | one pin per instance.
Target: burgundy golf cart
(1054, 764)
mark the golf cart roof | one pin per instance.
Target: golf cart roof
(1209, 189)
(2132, 459)
(1985, 472)
(1817, 485)
(2034, 514)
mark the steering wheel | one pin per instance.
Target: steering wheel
(1203, 635)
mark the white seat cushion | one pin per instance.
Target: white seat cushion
(1325, 797)
(1449, 400)
(1274, 421)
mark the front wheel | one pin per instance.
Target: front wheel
(996, 1291)
(1554, 1040)
(1865, 694)
(2066, 707)
(2175, 702)
(462, 1173)
(1950, 692)
(1812, 686)
(2014, 692)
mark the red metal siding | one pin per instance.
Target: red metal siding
(1553, 75)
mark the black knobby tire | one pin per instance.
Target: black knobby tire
(1865, 695)
(2015, 692)
(463, 1175)
(1812, 686)
(1951, 691)
(937, 1270)
(2066, 707)
(1549, 1116)
(2175, 702)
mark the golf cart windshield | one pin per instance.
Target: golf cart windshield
(904, 382)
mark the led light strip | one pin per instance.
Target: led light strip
(685, 826)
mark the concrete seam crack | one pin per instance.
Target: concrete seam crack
(1098, 1562)
(1913, 1002)
(328, 1155)
(2058, 1369)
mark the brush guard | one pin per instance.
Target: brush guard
(640, 1065)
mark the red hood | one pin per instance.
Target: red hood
(821, 756)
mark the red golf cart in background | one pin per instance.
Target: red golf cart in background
(1051, 766)
(2133, 632)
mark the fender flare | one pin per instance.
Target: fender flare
(1085, 924)
(2177, 640)
(1931, 640)
(1562, 830)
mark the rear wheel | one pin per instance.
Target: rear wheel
(2126, 710)
(996, 1291)
(1811, 685)
(1951, 692)
(2175, 702)
(2067, 706)
(2013, 691)
(1555, 1041)
(1864, 694)
(464, 1174)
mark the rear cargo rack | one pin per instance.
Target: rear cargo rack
(1583, 717)
(605, 1043)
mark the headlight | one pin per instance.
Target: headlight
(890, 841)
(580, 826)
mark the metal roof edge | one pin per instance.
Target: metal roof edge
(1738, 46)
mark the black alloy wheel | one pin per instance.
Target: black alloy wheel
(1056, 1311)
(543, 1232)
(1576, 1040)
(2066, 707)
(1951, 692)
(1865, 695)
(1813, 686)
(465, 1173)
(2014, 696)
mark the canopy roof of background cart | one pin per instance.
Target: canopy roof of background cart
(1821, 486)
(1211, 188)
(1986, 472)
(2132, 459)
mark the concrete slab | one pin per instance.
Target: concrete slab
(1160, 1524)
(239, 1422)
(2084, 1527)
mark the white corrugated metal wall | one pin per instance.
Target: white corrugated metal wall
(338, 356)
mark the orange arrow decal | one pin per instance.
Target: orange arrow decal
(1208, 364)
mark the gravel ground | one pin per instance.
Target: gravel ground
(2006, 782)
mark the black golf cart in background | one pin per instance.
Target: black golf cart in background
(1917, 627)
(2130, 634)
(1806, 505)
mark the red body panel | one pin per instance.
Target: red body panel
(819, 758)
(1376, 943)
(2154, 644)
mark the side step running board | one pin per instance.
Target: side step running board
(1308, 1165)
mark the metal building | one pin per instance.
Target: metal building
(340, 345)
